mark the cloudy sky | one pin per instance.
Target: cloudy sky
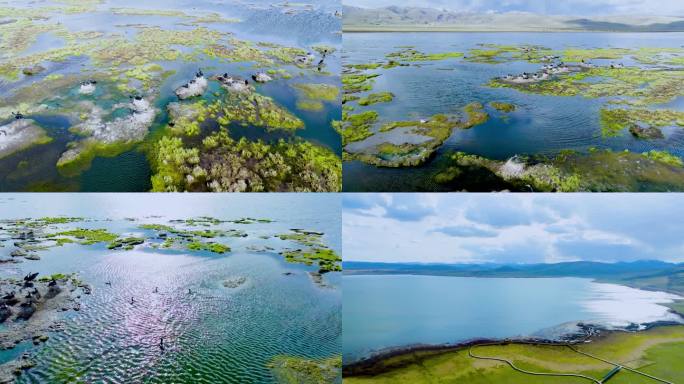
(508, 228)
(554, 7)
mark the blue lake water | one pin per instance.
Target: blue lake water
(541, 125)
(214, 334)
(388, 311)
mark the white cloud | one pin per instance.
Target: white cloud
(507, 228)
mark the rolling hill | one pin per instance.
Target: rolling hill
(398, 18)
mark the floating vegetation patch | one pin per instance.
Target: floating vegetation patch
(495, 54)
(374, 98)
(643, 123)
(502, 107)
(357, 127)
(298, 370)
(85, 236)
(199, 234)
(126, 243)
(210, 247)
(315, 252)
(411, 54)
(411, 143)
(633, 86)
(223, 164)
(325, 92)
(312, 96)
(570, 171)
(355, 83)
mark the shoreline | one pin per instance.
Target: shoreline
(376, 363)
(361, 272)
(418, 29)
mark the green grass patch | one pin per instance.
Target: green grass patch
(210, 247)
(374, 98)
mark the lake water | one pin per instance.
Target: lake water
(385, 311)
(540, 125)
(300, 26)
(214, 334)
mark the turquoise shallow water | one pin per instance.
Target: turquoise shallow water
(541, 125)
(387, 311)
(212, 335)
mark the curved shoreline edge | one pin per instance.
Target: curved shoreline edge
(376, 364)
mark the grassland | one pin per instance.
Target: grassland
(656, 352)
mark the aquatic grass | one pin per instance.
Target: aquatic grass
(210, 247)
(438, 128)
(374, 98)
(324, 92)
(324, 49)
(253, 109)
(308, 238)
(326, 259)
(497, 53)
(251, 220)
(313, 95)
(502, 107)
(614, 120)
(88, 150)
(126, 243)
(364, 66)
(356, 127)
(171, 161)
(298, 370)
(475, 115)
(245, 165)
(577, 54)
(355, 83)
(412, 55)
(86, 236)
(664, 157)
(570, 171)
(310, 105)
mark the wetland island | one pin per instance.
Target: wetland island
(451, 100)
(169, 96)
(184, 289)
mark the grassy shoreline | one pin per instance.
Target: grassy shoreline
(419, 362)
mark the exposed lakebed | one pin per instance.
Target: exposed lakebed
(383, 312)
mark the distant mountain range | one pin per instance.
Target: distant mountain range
(397, 18)
(648, 274)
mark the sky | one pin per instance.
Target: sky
(552, 7)
(511, 228)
